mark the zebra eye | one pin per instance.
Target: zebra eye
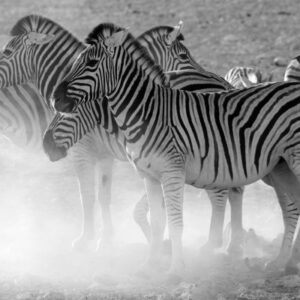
(183, 56)
(92, 63)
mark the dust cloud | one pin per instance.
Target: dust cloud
(40, 216)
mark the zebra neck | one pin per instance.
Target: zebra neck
(102, 113)
(53, 63)
(136, 107)
(26, 114)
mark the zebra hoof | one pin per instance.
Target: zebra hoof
(104, 247)
(254, 265)
(83, 244)
(274, 266)
(235, 251)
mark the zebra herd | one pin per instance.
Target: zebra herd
(147, 101)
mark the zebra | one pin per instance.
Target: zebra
(293, 70)
(241, 141)
(243, 77)
(30, 82)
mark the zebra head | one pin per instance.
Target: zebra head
(17, 56)
(88, 79)
(40, 51)
(66, 130)
(164, 45)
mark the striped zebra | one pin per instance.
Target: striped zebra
(174, 137)
(164, 45)
(292, 72)
(48, 50)
(243, 77)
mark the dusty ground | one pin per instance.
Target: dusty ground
(40, 207)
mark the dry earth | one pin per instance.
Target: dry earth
(40, 207)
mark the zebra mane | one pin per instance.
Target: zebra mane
(105, 30)
(161, 30)
(37, 23)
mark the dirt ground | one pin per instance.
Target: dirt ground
(40, 207)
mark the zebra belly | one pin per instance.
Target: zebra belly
(210, 175)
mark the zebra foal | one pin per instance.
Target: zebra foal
(174, 137)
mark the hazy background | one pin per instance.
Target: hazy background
(40, 209)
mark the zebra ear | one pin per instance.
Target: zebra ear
(176, 31)
(38, 38)
(116, 39)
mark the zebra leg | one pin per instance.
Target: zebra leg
(237, 232)
(157, 215)
(173, 189)
(290, 215)
(140, 217)
(104, 195)
(218, 198)
(290, 184)
(140, 213)
(85, 171)
(291, 265)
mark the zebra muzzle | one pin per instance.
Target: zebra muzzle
(53, 151)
